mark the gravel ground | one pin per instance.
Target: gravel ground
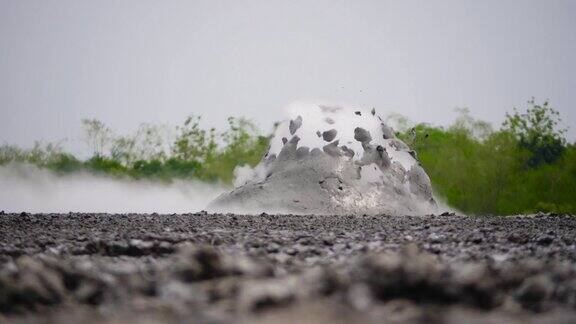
(206, 268)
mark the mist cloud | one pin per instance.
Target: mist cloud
(28, 188)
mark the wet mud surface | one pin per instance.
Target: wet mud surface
(206, 268)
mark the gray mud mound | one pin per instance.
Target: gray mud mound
(333, 160)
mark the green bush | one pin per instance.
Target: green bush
(194, 152)
(105, 165)
(64, 163)
(516, 169)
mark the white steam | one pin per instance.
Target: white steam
(28, 188)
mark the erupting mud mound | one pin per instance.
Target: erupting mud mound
(333, 160)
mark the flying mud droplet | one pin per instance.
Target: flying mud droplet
(373, 173)
(399, 145)
(387, 132)
(329, 120)
(329, 135)
(295, 124)
(288, 151)
(302, 152)
(329, 109)
(419, 182)
(347, 152)
(332, 149)
(362, 135)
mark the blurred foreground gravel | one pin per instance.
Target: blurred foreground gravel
(205, 268)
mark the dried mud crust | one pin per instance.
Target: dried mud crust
(206, 268)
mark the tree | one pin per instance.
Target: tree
(537, 131)
(98, 135)
(194, 143)
(148, 143)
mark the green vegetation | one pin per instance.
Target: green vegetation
(525, 166)
(153, 152)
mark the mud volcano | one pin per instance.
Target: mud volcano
(332, 160)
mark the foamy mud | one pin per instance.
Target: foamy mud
(332, 160)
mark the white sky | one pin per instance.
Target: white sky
(133, 61)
